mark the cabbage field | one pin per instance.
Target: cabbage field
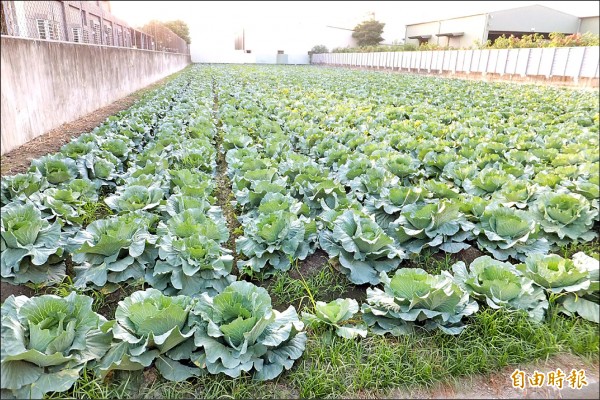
(171, 238)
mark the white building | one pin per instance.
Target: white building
(283, 43)
(464, 31)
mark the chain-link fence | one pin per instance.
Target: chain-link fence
(163, 39)
(82, 22)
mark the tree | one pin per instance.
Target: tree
(368, 33)
(319, 49)
(179, 28)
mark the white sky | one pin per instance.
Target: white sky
(213, 23)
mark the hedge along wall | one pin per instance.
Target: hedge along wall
(47, 83)
(575, 65)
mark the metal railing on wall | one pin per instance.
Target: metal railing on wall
(82, 22)
(573, 62)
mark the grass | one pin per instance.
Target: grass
(326, 284)
(376, 365)
(93, 211)
(592, 249)
(90, 386)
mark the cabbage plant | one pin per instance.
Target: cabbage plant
(554, 273)
(46, 342)
(438, 225)
(239, 331)
(584, 302)
(191, 257)
(501, 285)
(150, 327)
(362, 247)
(565, 217)
(413, 298)
(21, 186)
(515, 194)
(133, 198)
(506, 232)
(386, 207)
(55, 168)
(336, 314)
(113, 250)
(31, 247)
(66, 202)
(486, 182)
(273, 239)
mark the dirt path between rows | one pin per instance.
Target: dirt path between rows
(19, 159)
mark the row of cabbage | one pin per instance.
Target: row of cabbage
(153, 167)
(48, 340)
(386, 166)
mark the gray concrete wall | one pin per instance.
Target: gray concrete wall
(46, 83)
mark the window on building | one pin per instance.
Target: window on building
(95, 32)
(248, 51)
(77, 35)
(48, 29)
(280, 52)
(108, 36)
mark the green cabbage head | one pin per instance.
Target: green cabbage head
(47, 340)
(32, 247)
(554, 273)
(337, 314)
(501, 285)
(565, 217)
(239, 331)
(151, 327)
(413, 298)
(363, 248)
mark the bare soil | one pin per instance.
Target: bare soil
(6, 289)
(311, 265)
(19, 159)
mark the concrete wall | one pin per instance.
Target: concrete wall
(590, 24)
(46, 83)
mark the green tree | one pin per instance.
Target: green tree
(179, 28)
(319, 49)
(368, 33)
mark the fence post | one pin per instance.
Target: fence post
(455, 61)
(580, 65)
(566, 62)
(524, 74)
(552, 62)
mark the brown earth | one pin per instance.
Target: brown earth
(19, 159)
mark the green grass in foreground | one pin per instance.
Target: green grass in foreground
(335, 367)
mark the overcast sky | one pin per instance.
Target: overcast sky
(224, 16)
(213, 23)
